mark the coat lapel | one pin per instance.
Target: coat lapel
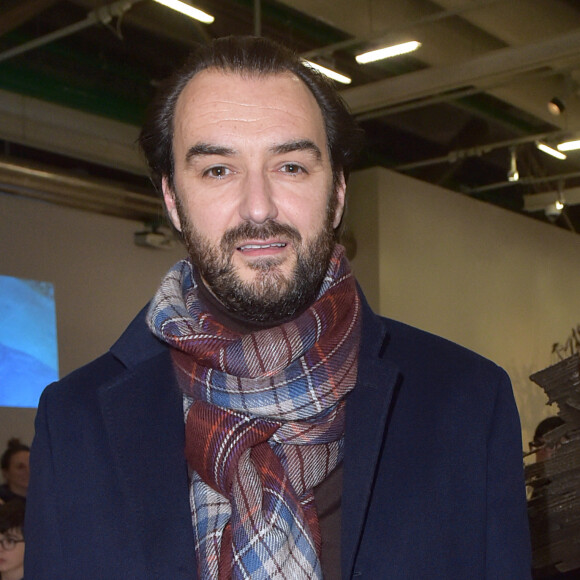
(144, 420)
(367, 411)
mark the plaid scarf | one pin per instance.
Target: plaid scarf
(264, 423)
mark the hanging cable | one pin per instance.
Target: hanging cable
(103, 15)
(257, 18)
(513, 174)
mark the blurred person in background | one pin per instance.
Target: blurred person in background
(15, 471)
(544, 451)
(12, 540)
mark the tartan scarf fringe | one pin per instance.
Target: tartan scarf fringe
(265, 418)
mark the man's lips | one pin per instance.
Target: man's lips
(258, 246)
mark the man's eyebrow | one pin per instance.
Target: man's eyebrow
(202, 149)
(300, 145)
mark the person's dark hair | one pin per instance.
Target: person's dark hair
(14, 446)
(545, 426)
(247, 55)
(12, 515)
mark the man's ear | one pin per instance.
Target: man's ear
(170, 204)
(340, 199)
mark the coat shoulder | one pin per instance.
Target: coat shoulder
(409, 345)
(133, 348)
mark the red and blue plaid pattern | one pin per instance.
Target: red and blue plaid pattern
(265, 423)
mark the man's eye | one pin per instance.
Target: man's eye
(293, 168)
(217, 172)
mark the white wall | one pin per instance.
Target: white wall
(492, 280)
(101, 279)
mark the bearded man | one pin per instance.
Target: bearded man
(257, 420)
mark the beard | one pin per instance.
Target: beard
(271, 297)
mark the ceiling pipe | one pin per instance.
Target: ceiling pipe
(103, 15)
(477, 151)
(523, 181)
(84, 193)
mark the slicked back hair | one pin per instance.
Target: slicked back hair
(247, 56)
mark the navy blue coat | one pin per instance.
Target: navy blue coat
(432, 488)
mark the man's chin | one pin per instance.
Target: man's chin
(264, 268)
(259, 293)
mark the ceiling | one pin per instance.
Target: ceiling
(76, 76)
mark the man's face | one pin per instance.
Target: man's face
(253, 190)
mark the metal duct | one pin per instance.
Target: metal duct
(81, 193)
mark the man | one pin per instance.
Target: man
(258, 420)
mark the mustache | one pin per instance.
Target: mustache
(248, 230)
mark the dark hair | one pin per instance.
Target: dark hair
(247, 55)
(12, 515)
(14, 447)
(545, 426)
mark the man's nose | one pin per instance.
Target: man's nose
(257, 202)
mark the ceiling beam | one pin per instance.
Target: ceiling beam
(383, 37)
(539, 201)
(69, 132)
(483, 72)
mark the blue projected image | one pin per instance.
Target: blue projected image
(28, 345)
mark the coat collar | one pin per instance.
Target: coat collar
(137, 344)
(367, 410)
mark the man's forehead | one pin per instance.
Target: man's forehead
(281, 99)
(211, 84)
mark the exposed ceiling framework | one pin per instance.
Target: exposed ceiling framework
(76, 75)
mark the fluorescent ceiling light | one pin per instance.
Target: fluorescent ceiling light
(328, 72)
(569, 146)
(187, 10)
(550, 150)
(387, 52)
